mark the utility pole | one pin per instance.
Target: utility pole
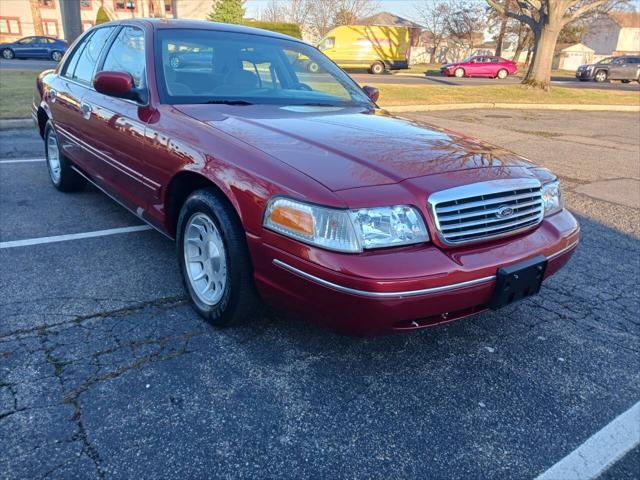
(71, 21)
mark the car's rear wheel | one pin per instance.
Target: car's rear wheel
(56, 56)
(214, 260)
(63, 177)
(502, 74)
(459, 73)
(376, 68)
(313, 67)
(600, 76)
(626, 81)
(8, 54)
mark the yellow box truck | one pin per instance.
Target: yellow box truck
(375, 47)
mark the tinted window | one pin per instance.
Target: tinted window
(127, 55)
(633, 60)
(27, 41)
(618, 61)
(88, 58)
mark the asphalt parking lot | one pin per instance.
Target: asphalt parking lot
(106, 372)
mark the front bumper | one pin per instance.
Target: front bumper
(584, 74)
(342, 294)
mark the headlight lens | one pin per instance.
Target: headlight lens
(389, 226)
(552, 198)
(346, 230)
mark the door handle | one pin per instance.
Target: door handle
(86, 110)
(53, 93)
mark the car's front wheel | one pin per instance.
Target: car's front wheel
(56, 56)
(63, 177)
(600, 76)
(459, 73)
(8, 54)
(214, 260)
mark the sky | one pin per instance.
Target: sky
(403, 8)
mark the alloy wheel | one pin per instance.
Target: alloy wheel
(53, 158)
(8, 54)
(502, 74)
(459, 73)
(205, 259)
(56, 56)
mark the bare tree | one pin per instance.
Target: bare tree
(466, 24)
(546, 18)
(433, 15)
(275, 11)
(323, 14)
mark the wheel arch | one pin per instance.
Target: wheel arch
(183, 184)
(43, 118)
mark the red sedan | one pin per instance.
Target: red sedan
(480, 66)
(294, 188)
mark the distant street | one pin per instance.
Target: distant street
(364, 78)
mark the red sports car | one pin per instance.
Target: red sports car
(480, 66)
(294, 188)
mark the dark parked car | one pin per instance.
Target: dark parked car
(303, 194)
(480, 66)
(625, 68)
(34, 47)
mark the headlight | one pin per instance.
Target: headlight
(552, 198)
(346, 230)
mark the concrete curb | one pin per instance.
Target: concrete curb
(511, 106)
(16, 123)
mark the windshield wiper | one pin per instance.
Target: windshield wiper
(315, 104)
(228, 102)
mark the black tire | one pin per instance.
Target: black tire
(377, 68)
(459, 72)
(506, 74)
(626, 81)
(601, 76)
(56, 56)
(8, 54)
(240, 299)
(313, 67)
(68, 180)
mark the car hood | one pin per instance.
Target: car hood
(345, 148)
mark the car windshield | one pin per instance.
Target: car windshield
(207, 66)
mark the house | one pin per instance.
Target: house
(19, 19)
(572, 56)
(388, 19)
(614, 33)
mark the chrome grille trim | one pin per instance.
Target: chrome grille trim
(469, 214)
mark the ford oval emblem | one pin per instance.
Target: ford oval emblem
(504, 212)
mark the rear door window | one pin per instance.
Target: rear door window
(82, 69)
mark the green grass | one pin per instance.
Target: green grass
(391, 94)
(16, 93)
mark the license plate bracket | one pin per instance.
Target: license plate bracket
(518, 281)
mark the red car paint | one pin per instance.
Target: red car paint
(480, 66)
(149, 157)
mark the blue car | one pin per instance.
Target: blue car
(34, 47)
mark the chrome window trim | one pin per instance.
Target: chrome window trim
(404, 294)
(477, 189)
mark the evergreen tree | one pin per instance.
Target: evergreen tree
(227, 11)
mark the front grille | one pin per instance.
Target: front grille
(486, 210)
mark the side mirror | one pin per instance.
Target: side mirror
(115, 84)
(372, 92)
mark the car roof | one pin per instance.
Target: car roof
(167, 23)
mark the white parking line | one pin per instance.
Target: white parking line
(601, 450)
(73, 236)
(22, 160)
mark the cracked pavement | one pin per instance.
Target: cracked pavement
(106, 372)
